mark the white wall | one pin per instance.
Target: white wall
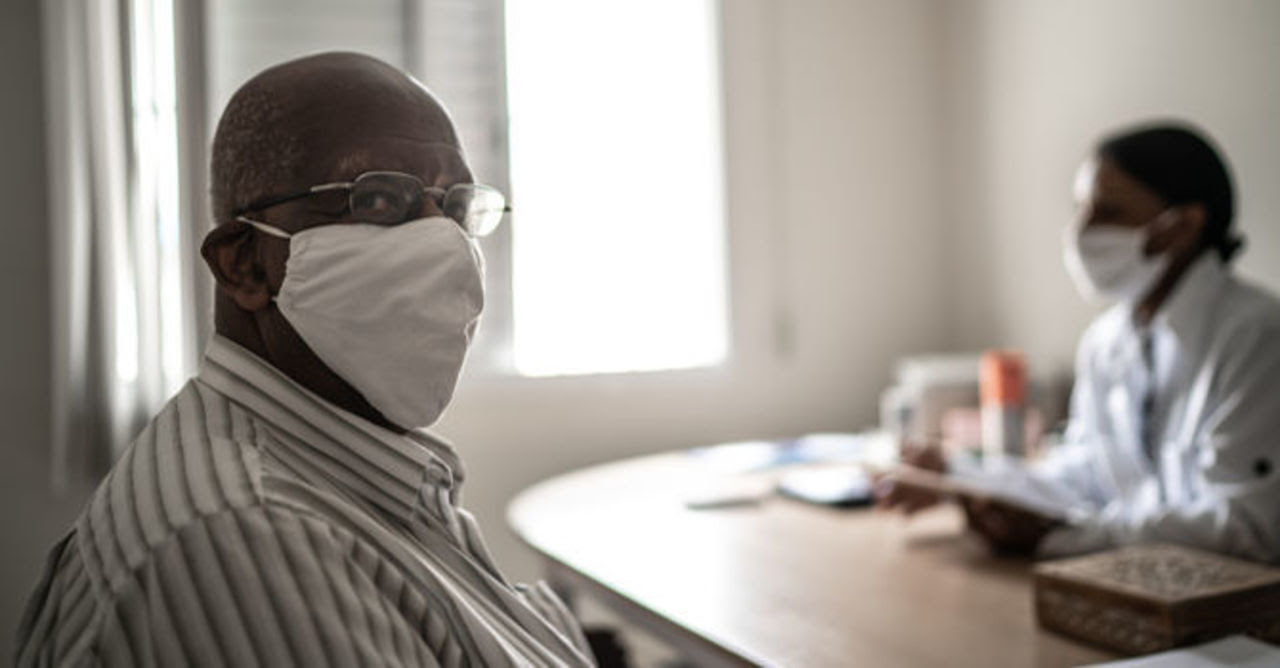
(1033, 83)
(832, 129)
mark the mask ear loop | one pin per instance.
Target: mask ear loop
(1168, 218)
(265, 228)
(1164, 221)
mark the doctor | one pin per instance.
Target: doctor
(1174, 431)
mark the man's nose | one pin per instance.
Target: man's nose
(430, 206)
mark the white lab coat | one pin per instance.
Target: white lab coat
(1215, 479)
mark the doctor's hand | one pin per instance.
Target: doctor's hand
(893, 493)
(1006, 529)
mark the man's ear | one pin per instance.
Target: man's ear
(229, 251)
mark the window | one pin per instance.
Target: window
(248, 36)
(155, 318)
(617, 182)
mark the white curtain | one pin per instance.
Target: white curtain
(123, 297)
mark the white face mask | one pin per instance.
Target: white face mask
(1106, 262)
(391, 309)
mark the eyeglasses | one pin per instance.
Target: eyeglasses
(392, 197)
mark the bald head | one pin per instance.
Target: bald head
(324, 118)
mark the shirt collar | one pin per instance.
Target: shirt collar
(1184, 312)
(389, 467)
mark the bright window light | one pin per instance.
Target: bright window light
(153, 338)
(618, 251)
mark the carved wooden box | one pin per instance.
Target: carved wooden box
(1148, 598)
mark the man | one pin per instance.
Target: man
(284, 508)
(1175, 419)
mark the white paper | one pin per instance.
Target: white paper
(1010, 481)
(1236, 651)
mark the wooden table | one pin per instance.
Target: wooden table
(783, 583)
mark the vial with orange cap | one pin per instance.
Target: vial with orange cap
(1003, 383)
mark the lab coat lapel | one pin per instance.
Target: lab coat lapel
(1126, 461)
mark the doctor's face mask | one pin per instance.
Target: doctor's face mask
(391, 308)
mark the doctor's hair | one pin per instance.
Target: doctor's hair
(1180, 165)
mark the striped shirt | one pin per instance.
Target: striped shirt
(253, 523)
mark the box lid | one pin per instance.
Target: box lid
(1165, 573)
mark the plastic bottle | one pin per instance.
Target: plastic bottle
(1004, 393)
